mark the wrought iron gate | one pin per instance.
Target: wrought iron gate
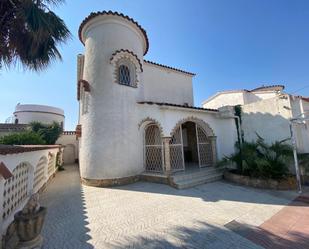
(204, 148)
(176, 151)
(153, 149)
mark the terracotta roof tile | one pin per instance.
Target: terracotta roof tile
(14, 149)
(176, 105)
(4, 171)
(99, 13)
(265, 88)
(172, 68)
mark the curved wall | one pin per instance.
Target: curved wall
(109, 142)
(41, 113)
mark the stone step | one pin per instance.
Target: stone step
(204, 172)
(189, 183)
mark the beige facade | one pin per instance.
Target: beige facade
(267, 111)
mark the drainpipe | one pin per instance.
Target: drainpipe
(239, 129)
(295, 156)
(301, 118)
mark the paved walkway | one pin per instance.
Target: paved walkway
(289, 228)
(146, 215)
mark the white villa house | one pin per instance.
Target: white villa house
(267, 110)
(137, 116)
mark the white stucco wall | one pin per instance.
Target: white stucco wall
(166, 85)
(168, 117)
(264, 94)
(299, 108)
(41, 113)
(109, 129)
(237, 98)
(32, 158)
(269, 118)
(225, 99)
(70, 152)
(267, 113)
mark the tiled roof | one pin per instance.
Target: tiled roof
(13, 127)
(99, 13)
(265, 88)
(172, 68)
(175, 105)
(14, 149)
(305, 99)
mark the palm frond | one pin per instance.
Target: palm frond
(31, 34)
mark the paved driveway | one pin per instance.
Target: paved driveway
(146, 215)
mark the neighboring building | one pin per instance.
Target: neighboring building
(25, 114)
(242, 97)
(136, 115)
(7, 128)
(267, 110)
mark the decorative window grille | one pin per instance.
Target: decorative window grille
(51, 164)
(15, 189)
(39, 174)
(124, 75)
(176, 151)
(153, 149)
(204, 148)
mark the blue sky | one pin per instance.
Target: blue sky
(228, 44)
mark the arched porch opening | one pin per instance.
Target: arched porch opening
(192, 145)
(153, 149)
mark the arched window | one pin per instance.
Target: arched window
(124, 75)
(127, 67)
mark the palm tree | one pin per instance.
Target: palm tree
(259, 159)
(30, 33)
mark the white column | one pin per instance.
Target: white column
(167, 156)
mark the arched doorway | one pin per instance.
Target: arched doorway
(69, 154)
(191, 147)
(153, 149)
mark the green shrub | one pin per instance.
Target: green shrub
(49, 133)
(37, 134)
(258, 159)
(22, 138)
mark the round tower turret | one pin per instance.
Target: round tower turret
(109, 89)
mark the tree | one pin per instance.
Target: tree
(49, 133)
(30, 32)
